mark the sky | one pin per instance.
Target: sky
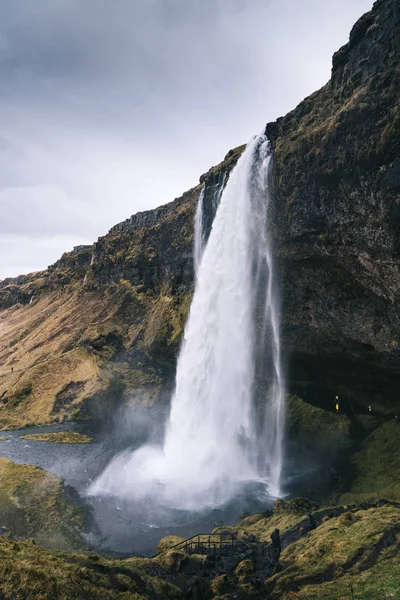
(110, 107)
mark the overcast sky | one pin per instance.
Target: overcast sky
(108, 107)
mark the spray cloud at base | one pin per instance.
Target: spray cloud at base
(215, 442)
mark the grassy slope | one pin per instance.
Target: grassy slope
(373, 453)
(353, 555)
(33, 503)
(376, 467)
(61, 437)
(66, 339)
(41, 343)
(30, 572)
(315, 427)
(358, 550)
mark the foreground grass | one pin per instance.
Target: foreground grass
(355, 555)
(30, 572)
(61, 437)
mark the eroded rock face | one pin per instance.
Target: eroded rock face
(336, 215)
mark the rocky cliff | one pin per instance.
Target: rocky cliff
(336, 214)
(105, 321)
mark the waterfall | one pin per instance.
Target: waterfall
(218, 193)
(198, 232)
(214, 443)
(91, 264)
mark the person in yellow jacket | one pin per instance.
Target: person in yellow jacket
(337, 406)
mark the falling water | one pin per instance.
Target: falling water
(214, 444)
(198, 232)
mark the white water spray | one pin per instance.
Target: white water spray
(213, 443)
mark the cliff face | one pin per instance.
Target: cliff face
(336, 215)
(105, 321)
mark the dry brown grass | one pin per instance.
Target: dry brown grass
(64, 341)
(60, 437)
(41, 343)
(29, 572)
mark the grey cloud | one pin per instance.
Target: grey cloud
(113, 107)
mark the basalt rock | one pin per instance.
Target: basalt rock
(336, 218)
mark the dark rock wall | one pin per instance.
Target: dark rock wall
(336, 214)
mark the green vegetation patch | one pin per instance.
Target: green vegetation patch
(376, 466)
(284, 516)
(165, 324)
(61, 437)
(316, 427)
(169, 542)
(343, 551)
(34, 503)
(381, 581)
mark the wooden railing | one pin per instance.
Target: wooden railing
(210, 543)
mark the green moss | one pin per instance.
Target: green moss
(295, 506)
(165, 325)
(376, 466)
(168, 542)
(33, 503)
(391, 133)
(61, 437)
(245, 567)
(317, 428)
(172, 560)
(284, 516)
(338, 551)
(381, 581)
